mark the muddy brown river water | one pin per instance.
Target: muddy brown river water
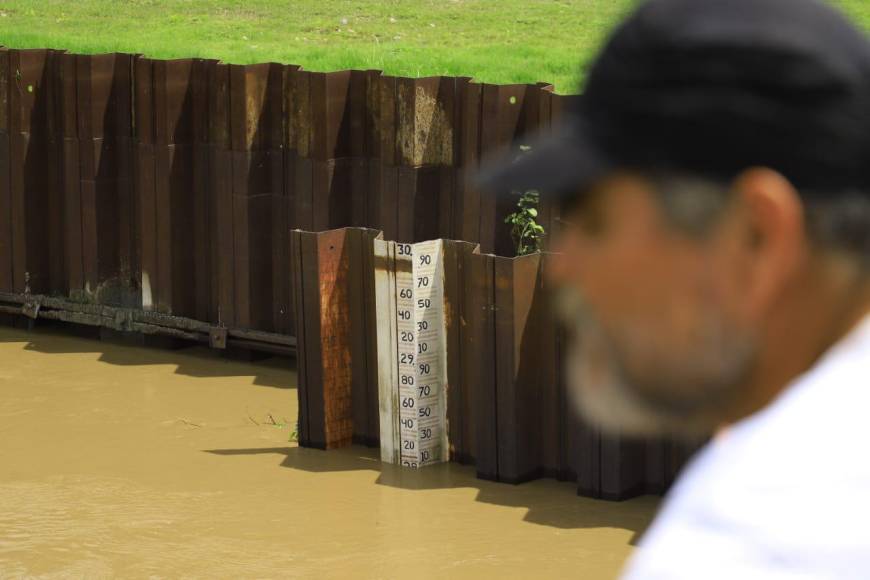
(118, 461)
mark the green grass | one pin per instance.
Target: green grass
(499, 41)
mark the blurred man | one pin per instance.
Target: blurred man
(715, 261)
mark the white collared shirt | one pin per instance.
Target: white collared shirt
(784, 493)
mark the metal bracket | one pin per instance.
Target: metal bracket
(123, 320)
(30, 310)
(217, 337)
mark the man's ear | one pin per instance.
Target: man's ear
(774, 234)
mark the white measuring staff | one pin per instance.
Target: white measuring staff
(409, 282)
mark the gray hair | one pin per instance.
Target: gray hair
(835, 223)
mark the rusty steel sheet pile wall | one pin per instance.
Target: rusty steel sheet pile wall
(509, 411)
(171, 186)
(168, 197)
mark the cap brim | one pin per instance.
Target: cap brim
(557, 163)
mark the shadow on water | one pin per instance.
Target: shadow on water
(192, 360)
(548, 502)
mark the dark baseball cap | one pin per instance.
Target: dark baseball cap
(713, 87)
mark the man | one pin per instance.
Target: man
(715, 260)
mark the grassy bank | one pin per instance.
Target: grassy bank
(502, 41)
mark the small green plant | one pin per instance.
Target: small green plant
(525, 230)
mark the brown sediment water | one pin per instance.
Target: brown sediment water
(118, 461)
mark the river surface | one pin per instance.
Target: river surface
(122, 461)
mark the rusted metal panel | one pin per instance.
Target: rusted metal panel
(359, 186)
(569, 424)
(331, 130)
(257, 107)
(481, 372)
(501, 116)
(220, 195)
(6, 250)
(145, 181)
(252, 239)
(622, 468)
(204, 304)
(6, 247)
(389, 202)
(356, 164)
(467, 206)
(302, 199)
(559, 104)
(372, 148)
(103, 121)
(434, 202)
(104, 97)
(5, 86)
(242, 260)
(424, 122)
(307, 342)
(654, 465)
(516, 344)
(90, 153)
(447, 220)
(91, 239)
(329, 99)
(387, 120)
(178, 282)
(664, 459)
(333, 293)
(145, 188)
(312, 416)
(585, 447)
(406, 198)
(34, 166)
(419, 201)
(372, 144)
(256, 136)
(297, 162)
(297, 134)
(173, 132)
(282, 307)
(331, 192)
(334, 269)
(508, 112)
(173, 107)
(492, 143)
(358, 123)
(71, 176)
(258, 172)
(457, 319)
(540, 119)
(549, 375)
(169, 221)
(359, 246)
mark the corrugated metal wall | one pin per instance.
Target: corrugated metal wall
(171, 185)
(132, 189)
(508, 407)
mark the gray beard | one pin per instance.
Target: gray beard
(684, 396)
